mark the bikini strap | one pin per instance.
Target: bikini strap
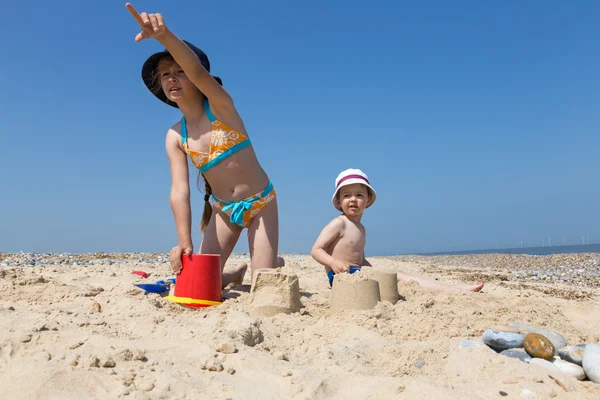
(209, 113)
(183, 131)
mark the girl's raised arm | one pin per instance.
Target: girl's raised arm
(153, 26)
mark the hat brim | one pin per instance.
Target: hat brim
(372, 193)
(153, 84)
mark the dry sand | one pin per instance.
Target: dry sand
(75, 332)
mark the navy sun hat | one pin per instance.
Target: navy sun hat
(151, 64)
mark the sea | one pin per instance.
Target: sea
(536, 251)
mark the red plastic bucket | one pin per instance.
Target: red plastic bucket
(199, 281)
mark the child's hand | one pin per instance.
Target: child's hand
(175, 257)
(152, 24)
(340, 267)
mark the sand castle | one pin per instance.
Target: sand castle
(363, 290)
(354, 292)
(274, 292)
(388, 283)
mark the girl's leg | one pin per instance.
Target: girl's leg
(263, 238)
(220, 237)
(432, 284)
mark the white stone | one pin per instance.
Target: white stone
(545, 364)
(573, 354)
(527, 394)
(591, 361)
(569, 368)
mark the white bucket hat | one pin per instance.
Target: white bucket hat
(349, 177)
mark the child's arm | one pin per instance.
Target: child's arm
(153, 26)
(180, 192)
(331, 232)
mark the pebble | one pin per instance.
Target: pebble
(419, 364)
(93, 362)
(576, 269)
(544, 363)
(538, 346)
(517, 353)
(147, 387)
(573, 353)
(591, 361)
(109, 363)
(527, 394)
(226, 348)
(212, 364)
(570, 369)
(91, 259)
(558, 341)
(502, 340)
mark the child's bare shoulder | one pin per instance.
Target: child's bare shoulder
(335, 227)
(338, 223)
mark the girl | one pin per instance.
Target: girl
(212, 134)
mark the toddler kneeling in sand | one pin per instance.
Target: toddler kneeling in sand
(341, 245)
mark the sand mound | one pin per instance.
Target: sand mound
(358, 291)
(274, 292)
(388, 284)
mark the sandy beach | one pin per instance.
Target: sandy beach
(76, 327)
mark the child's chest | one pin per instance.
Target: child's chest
(200, 142)
(354, 236)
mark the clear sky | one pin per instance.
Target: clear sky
(477, 122)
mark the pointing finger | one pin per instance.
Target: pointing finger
(134, 13)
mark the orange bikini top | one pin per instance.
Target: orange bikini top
(224, 141)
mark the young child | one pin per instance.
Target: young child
(212, 134)
(340, 246)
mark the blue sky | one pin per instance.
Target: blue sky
(477, 122)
